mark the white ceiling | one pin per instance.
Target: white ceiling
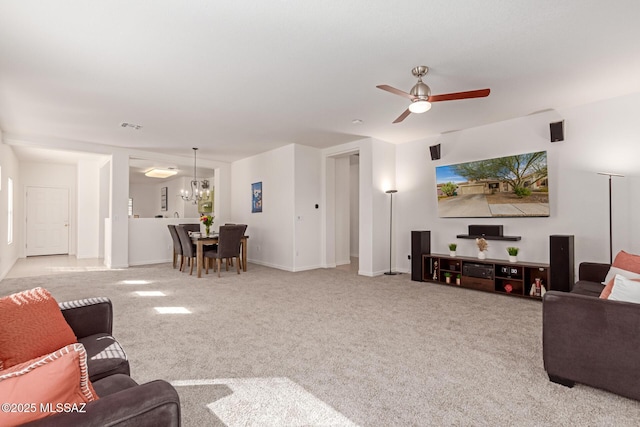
(242, 77)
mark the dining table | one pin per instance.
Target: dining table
(201, 241)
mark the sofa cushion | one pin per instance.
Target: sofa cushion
(113, 384)
(585, 287)
(105, 356)
(58, 380)
(31, 325)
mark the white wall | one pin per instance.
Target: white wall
(9, 253)
(105, 185)
(117, 225)
(146, 198)
(354, 204)
(598, 137)
(150, 241)
(271, 232)
(146, 201)
(383, 163)
(307, 194)
(88, 240)
(49, 175)
(342, 208)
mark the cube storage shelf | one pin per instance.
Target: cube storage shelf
(489, 275)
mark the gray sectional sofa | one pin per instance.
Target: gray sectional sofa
(589, 340)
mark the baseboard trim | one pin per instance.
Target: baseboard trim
(153, 261)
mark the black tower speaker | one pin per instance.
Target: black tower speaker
(561, 263)
(420, 244)
(557, 131)
(435, 152)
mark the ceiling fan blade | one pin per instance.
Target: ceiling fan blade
(402, 116)
(481, 93)
(395, 91)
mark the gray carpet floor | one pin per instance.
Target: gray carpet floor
(328, 347)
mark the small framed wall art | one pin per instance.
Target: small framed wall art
(256, 197)
(163, 199)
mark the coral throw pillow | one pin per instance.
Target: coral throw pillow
(31, 325)
(46, 385)
(627, 261)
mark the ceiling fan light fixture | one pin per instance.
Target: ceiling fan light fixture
(160, 173)
(419, 106)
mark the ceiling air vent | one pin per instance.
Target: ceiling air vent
(130, 125)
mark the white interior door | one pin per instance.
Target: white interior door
(47, 221)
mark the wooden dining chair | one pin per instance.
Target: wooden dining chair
(229, 239)
(177, 246)
(188, 248)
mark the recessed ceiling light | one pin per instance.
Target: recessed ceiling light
(357, 121)
(160, 173)
(130, 125)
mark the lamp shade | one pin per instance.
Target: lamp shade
(419, 106)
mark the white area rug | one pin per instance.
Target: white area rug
(264, 402)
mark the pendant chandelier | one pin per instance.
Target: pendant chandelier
(198, 189)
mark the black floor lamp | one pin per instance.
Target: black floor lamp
(390, 192)
(610, 175)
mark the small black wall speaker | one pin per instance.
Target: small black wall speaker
(561, 263)
(557, 131)
(435, 152)
(420, 244)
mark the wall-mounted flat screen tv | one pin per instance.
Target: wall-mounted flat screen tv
(512, 186)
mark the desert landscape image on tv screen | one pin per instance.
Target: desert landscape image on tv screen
(511, 186)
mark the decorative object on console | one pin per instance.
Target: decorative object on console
(447, 277)
(452, 249)
(198, 188)
(508, 288)
(482, 246)
(513, 253)
(390, 192)
(207, 220)
(610, 175)
(458, 279)
(502, 183)
(537, 288)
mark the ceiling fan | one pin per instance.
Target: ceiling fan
(421, 98)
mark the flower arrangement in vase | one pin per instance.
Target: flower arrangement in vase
(482, 246)
(452, 249)
(513, 253)
(207, 220)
